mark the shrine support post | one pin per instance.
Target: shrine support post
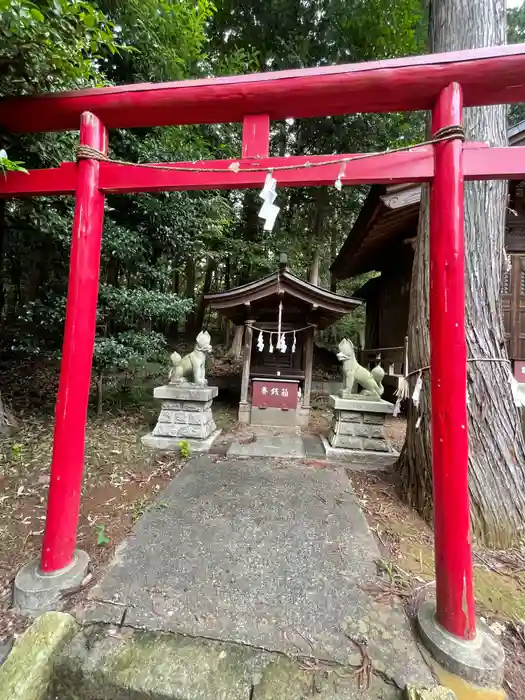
(244, 407)
(77, 354)
(448, 372)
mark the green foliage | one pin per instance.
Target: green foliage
(51, 44)
(60, 44)
(128, 305)
(162, 252)
(184, 449)
(10, 165)
(281, 34)
(16, 450)
(102, 538)
(516, 35)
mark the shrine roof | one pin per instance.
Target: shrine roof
(388, 217)
(260, 299)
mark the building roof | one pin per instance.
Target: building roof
(388, 216)
(302, 302)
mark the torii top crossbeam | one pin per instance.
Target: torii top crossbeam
(494, 75)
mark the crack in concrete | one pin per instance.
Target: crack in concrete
(329, 663)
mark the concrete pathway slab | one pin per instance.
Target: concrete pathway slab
(269, 556)
(290, 447)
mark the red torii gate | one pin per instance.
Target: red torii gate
(443, 83)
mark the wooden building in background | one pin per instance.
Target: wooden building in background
(382, 239)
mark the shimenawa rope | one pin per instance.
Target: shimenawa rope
(447, 133)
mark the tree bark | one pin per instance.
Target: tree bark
(190, 291)
(496, 444)
(333, 255)
(236, 347)
(320, 201)
(2, 249)
(208, 277)
(8, 424)
(100, 390)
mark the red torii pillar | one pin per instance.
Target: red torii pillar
(59, 557)
(448, 627)
(448, 361)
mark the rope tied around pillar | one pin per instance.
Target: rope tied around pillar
(449, 133)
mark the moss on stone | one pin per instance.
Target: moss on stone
(100, 666)
(139, 665)
(28, 670)
(495, 592)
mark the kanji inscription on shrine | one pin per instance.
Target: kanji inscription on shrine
(271, 393)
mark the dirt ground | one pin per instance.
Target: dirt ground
(121, 478)
(406, 544)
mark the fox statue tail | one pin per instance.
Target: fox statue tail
(175, 360)
(378, 373)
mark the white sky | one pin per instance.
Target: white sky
(514, 3)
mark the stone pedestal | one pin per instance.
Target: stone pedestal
(185, 416)
(357, 433)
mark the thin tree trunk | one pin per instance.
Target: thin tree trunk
(496, 444)
(236, 347)
(8, 424)
(321, 198)
(3, 233)
(100, 389)
(313, 276)
(333, 255)
(208, 277)
(190, 292)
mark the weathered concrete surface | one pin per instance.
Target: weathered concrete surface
(35, 592)
(27, 672)
(359, 460)
(480, 661)
(123, 665)
(290, 447)
(266, 556)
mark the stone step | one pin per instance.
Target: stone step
(105, 663)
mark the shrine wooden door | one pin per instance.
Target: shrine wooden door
(513, 307)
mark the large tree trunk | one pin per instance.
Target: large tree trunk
(496, 445)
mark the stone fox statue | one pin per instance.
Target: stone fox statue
(371, 382)
(192, 367)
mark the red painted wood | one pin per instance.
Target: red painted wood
(47, 181)
(256, 136)
(519, 371)
(488, 76)
(77, 354)
(479, 162)
(414, 166)
(448, 362)
(273, 393)
(494, 163)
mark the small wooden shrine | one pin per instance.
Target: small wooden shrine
(280, 313)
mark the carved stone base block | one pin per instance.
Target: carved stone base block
(357, 433)
(185, 415)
